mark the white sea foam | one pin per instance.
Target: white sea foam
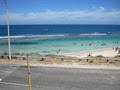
(95, 34)
(33, 36)
(4, 37)
(52, 35)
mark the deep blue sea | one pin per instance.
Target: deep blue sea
(59, 29)
(47, 39)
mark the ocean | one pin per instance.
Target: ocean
(49, 39)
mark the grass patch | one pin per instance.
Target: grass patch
(99, 56)
(117, 56)
(14, 57)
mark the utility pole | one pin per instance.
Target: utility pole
(8, 28)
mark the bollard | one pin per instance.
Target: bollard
(29, 77)
(62, 59)
(107, 60)
(87, 60)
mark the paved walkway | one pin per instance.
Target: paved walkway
(13, 77)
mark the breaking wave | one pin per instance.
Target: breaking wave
(95, 34)
(32, 36)
(53, 35)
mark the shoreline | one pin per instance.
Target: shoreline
(96, 52)
(82, 54)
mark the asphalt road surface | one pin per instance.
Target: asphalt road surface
(13, 77)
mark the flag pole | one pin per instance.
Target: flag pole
(8, 28)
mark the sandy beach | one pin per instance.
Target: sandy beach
(71, 60)
(105, 52)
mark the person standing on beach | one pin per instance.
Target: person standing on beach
(116, 48)
(119, 51)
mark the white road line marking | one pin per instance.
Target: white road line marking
(14, 84)
(0, 79)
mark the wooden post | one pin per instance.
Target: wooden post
(29, 77)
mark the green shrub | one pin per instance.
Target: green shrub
(14, 57)
(117, 56)
(99, 56)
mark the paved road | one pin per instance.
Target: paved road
(47, 78)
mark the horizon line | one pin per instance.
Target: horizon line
(58, 24)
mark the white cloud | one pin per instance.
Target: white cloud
(102, 8)
(98, 16)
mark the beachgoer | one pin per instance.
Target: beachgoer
(89, 55)
(119, 51)
(94, 46)
(75, 43)
(90, 44)
(116, 48)
(57, 51)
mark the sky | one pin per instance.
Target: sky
(61, 12)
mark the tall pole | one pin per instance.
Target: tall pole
(8, 28)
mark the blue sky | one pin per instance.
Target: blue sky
(61, 11)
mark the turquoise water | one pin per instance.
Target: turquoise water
(66, 44)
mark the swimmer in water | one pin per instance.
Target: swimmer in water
(57, 51)
(94, 46)
(74, 43)
(90, 44)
